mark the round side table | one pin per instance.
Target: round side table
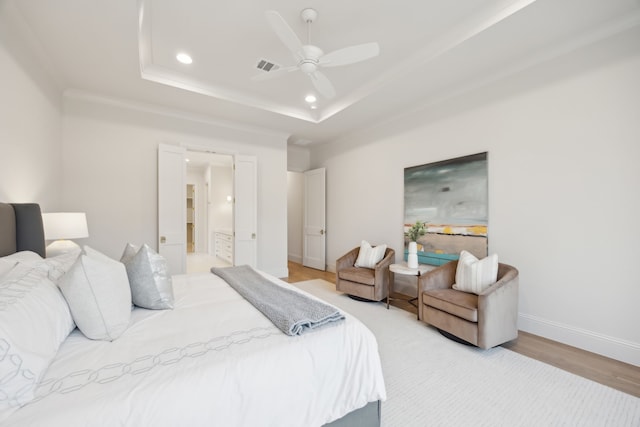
(403, 269)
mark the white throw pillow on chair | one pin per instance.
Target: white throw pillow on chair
(369, 256)
(474, 275)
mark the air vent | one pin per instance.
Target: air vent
(267, 66)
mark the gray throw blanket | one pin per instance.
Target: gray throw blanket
(290, 311)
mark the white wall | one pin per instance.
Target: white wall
(564, 146)
(30, 120)
(298, 159)
(295, 208)
(110, 172)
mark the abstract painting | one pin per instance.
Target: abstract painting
(451, 196)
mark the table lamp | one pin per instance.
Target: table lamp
(61, 227)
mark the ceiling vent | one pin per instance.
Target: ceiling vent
(267, 66)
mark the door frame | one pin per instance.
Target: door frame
(314, 227)
(172, 241)
(197, 148)
(245, 227)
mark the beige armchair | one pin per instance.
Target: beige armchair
(365, 283)
(484, 320)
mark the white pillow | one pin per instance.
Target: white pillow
(54, 267)
(368, 256)
(148, 272)
(58, 265)
(6, 266)
(473, 275)
(8, 262)
(34, 321)
(23, 256)
(97, 291)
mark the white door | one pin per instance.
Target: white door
(245, 218)
(171, 207)
(314, 226)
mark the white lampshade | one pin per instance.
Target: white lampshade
(62, 226)
(65, 225)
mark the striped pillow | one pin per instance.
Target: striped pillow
(368, 256)
(473, 275)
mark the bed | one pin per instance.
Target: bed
(211, 360)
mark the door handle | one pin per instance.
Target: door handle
(321, 232)
(163, 239)
(253, 235)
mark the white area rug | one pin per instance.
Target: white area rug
(433, 381)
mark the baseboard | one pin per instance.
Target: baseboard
(614, 348)
(295, 258)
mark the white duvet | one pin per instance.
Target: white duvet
(214, 360)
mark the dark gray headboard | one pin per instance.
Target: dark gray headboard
(21, 228)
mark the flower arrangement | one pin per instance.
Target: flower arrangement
(418, 229)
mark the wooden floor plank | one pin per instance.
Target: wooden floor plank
(610, 372)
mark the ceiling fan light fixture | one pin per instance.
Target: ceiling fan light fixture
(184, 58)
(310, 58)
(308, 67)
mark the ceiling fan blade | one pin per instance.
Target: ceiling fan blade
(350, 55)
(273, 74)
(322, 84)
(284, 32)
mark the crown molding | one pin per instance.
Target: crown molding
(170, 112)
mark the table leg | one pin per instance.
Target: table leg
(390, 287)
(418, 296)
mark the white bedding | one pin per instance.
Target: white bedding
(214, 360)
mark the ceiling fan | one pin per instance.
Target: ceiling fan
(309, 58)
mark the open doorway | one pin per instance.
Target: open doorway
(295, 206)
(209, 185)
(306, 201)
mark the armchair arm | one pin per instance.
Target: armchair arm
(382, 267)
(383, 275)
(347, 260)
(389, 258)
(442, 277)
(498, 309)
(509, 273)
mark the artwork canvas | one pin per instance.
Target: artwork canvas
(451, 196)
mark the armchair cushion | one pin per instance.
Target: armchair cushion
(461, 304)
(369, 256)
(366, 276)
(474, 275)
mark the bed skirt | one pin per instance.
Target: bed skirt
(367, 416)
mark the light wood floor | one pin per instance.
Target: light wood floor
(612, 373)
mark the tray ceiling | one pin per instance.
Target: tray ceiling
(429, 50)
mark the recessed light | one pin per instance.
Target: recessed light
(184, 58)
(186, 160)
(314, 107)
(310, 98)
